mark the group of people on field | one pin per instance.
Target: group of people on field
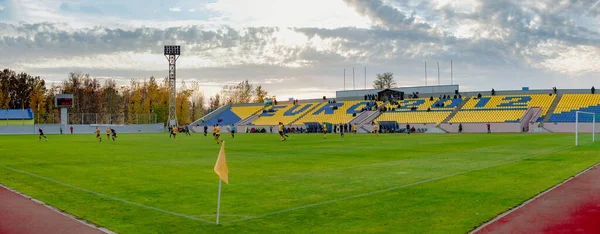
(110, 133)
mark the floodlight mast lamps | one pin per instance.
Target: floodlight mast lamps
(172, 53)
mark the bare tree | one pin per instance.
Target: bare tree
(384, 81)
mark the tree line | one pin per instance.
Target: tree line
(142, 98)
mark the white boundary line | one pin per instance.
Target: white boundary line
(530, 200)
(110, 197)
(392, 188)
(84, 222)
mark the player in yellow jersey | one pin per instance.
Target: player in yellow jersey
(98, 134)
(324, 130)
(217, 133)
(354, 128)
(282, 134)
(375, 129)
(174, 132)
(107, 133)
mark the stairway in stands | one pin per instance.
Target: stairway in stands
(458, 108)
(372, 115)
(250, 119)
(552, 108)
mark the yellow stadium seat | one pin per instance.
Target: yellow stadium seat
(339, 116)
(414, 117)
(485, 116)
(543, 101)
(286, 114)
(570, 102)
(245, 111)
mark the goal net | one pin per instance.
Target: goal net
(585, 127)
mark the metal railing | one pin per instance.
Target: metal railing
(92, 118)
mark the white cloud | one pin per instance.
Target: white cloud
(175, 9)
(192, 10)
(288, 13)
(569, 60)
(2, 8)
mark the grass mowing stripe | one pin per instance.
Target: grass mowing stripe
(107, 196)
(392, 188)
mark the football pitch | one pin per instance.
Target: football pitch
(427, 183)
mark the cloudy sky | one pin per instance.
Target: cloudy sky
(300, 48)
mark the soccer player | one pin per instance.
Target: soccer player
(375, 129)
(324, 130)
(354, 128)
(233, 131)
(342, 130)
(282, 134)
(170, 131)
(107, 133)
(174, 132)
(71, 128)
(217, 133)
(114, 134)
(42, 134)
(205, 130)
(488, 128)
(187, 130)
(98, 134)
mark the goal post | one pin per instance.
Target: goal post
(584, 118)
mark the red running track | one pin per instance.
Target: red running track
(19, 214)
(573, 207)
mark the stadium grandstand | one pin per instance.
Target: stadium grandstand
(16, 117)
(433, 109)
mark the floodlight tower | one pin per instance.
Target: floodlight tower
(172, 53)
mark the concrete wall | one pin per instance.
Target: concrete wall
(422, 90)
(570, 127)
(81, 129)
(482, 128)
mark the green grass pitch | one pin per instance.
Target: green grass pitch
(428, 183)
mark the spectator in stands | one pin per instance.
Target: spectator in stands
(479, 95)
(431, 98)
(593, 90)
(493, 92)
(440, 97)
(365, 97)
(459, 96)
(554, 89)
(460, 127)
(455, 96)
(428, 109)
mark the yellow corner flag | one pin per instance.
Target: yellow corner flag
(221, 165)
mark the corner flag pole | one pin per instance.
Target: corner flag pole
(219, 201)
(221, 170)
